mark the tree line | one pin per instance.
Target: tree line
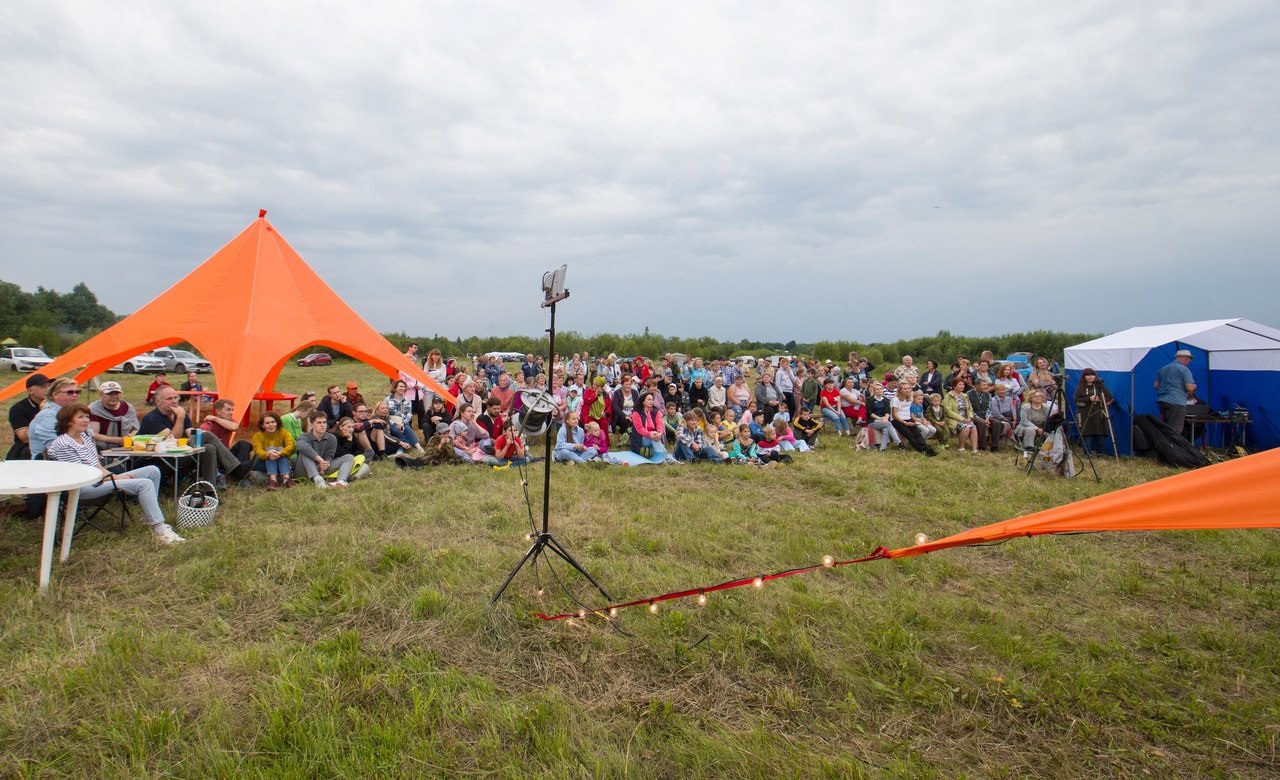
(60, 321)
(56, 321)
(942, 347)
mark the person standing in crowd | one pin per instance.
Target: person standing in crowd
(1092, 399)
(980, 404)
(413, 391)
(23, 412)
(1175, 386)
(435, 368)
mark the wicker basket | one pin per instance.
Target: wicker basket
(197, 506)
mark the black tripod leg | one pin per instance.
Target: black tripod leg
(563, 553)
(532, 554)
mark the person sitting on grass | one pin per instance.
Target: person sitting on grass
(880, 417)
(273, 446)
(691, 443)
(318, 454)
(298, 419)
(596, 438)
(468, 434)
(904, 422)
(853, 404)
(782, 429)
(829, 407)
(960, 414)
(400, 416)
(509, 448)
(345, 432)
(74, 444)
(671, 423)
(769, 448)
(569, 443)
(743, 449)
(439, 449)
(222, 425)
(807, 427)
(918, 403)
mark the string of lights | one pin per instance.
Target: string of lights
(700, 594)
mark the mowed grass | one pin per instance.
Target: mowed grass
(312, 634)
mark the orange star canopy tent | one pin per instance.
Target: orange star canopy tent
(1240, 493)
(247, 309)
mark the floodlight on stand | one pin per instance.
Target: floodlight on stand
(553, 286)
(537, 408)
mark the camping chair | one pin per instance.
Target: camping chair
(109, 511)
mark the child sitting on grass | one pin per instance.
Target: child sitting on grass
(789, 441)
(743, 449)
(596, 438)
(806, 427)
(769, 448)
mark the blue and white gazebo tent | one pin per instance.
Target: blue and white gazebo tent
(1237, 364)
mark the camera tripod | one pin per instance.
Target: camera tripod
(1067, 426)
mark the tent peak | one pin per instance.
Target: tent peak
(262, 213)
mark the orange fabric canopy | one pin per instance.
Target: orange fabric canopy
(1241, 493)
(247, 309)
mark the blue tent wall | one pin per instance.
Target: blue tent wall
(1134, 394)
(1257, 391)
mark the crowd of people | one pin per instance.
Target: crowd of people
(607, 410)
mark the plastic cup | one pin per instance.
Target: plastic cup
(182, 442)
(127, 443)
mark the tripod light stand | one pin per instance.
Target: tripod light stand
(535, 421)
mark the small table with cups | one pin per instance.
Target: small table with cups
(170, 459)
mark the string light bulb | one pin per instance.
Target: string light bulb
(539, 592)
(582, 613)
(758, 582)
(922, 539)
(828, 561)
(702, 598)
(528, 537)
(613, 611)
(653, 607)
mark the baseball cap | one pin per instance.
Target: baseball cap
(442, 427)
(110, 387)
(352, 385)
(1186, 353)
(37, 380)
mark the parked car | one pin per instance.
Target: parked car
(1020, 364)
(23, 359)
(139, 364)
(317, 359)
(747, 360)
(182, 361)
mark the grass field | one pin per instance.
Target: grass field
(325, 634)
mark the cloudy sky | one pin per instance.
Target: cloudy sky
(845, 170)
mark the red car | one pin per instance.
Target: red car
(317, 359)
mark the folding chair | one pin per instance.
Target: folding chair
(113, 506)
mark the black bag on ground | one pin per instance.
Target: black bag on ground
(1169, 446)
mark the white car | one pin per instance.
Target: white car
(506, 357)
(139, 364)
(23, 359)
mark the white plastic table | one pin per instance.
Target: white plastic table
(24, 477)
